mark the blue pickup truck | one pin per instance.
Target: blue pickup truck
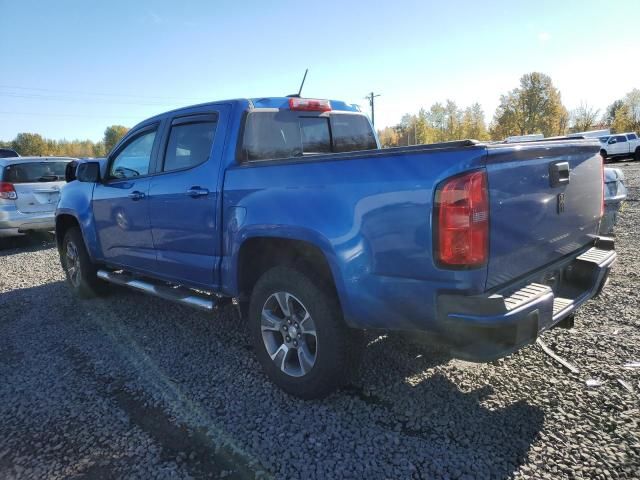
(288, 208)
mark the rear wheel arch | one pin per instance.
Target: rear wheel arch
(259, 254)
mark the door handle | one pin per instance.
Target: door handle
(136, 195)
(197, 192)
(559, 173)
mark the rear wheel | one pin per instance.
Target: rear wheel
(636, 157)
(299, 336)
(77, 265)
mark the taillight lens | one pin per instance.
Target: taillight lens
(309, 105)
(7, 192)
(462, 221)
(602, 183)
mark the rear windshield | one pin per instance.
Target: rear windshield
(284, 134)
(34, 172)
(8, 153)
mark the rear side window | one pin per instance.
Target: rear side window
(284, 134)
(632, 136)
(189, 145)
(34, 172)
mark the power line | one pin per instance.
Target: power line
(99, 94)
(83, 100)
(39, 114)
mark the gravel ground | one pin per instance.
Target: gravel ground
(135, 387)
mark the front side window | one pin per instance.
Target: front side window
(621, 138)
(134, 159)
(189, 145)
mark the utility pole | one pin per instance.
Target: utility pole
(371, 98)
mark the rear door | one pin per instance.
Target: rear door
(37, 184)
(121, 204)
(184, 197)
(545, 203)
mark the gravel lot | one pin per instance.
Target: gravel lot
(132, 386)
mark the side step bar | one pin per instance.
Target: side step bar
(177, 294)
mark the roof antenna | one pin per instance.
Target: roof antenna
(297, 95)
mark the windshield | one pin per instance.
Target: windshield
(285, 134)
(34, 172)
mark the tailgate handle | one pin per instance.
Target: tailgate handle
(559, 173)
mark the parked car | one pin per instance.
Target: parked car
(29, 191)
(620, 146)
(289, 207)
(8, 153)
(615, 193)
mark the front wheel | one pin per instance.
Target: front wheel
(603, 154)
(77, 265)
(299, 336)
(636, 157)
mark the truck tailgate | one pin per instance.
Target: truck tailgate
(545, 203)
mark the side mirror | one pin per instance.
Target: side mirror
(88, 172)
(70, 171)
(613, 140)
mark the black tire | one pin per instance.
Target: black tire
(636, 157)
(603, 154)
(81, 276)
(337, 347)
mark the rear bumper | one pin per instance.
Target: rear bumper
(486, 327)
(13, 222)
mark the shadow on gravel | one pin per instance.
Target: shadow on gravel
(26, 243)
(417, 414)
(457, 427)
(193, 448)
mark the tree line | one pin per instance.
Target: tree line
(534, 107)
(33, 144)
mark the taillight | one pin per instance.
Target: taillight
(7, 192)
(602, 183)
(461, 219)
(309, 105)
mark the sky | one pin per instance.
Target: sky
(70, 68)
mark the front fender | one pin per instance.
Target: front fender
(75, 201)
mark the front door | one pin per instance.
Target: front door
(121, 203)
(184, 197)
(620, 147)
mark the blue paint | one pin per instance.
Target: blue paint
(368, 212)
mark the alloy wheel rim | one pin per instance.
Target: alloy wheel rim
(73, 264)
(289, 334)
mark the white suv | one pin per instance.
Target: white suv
(29, 191)
(619, 146)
